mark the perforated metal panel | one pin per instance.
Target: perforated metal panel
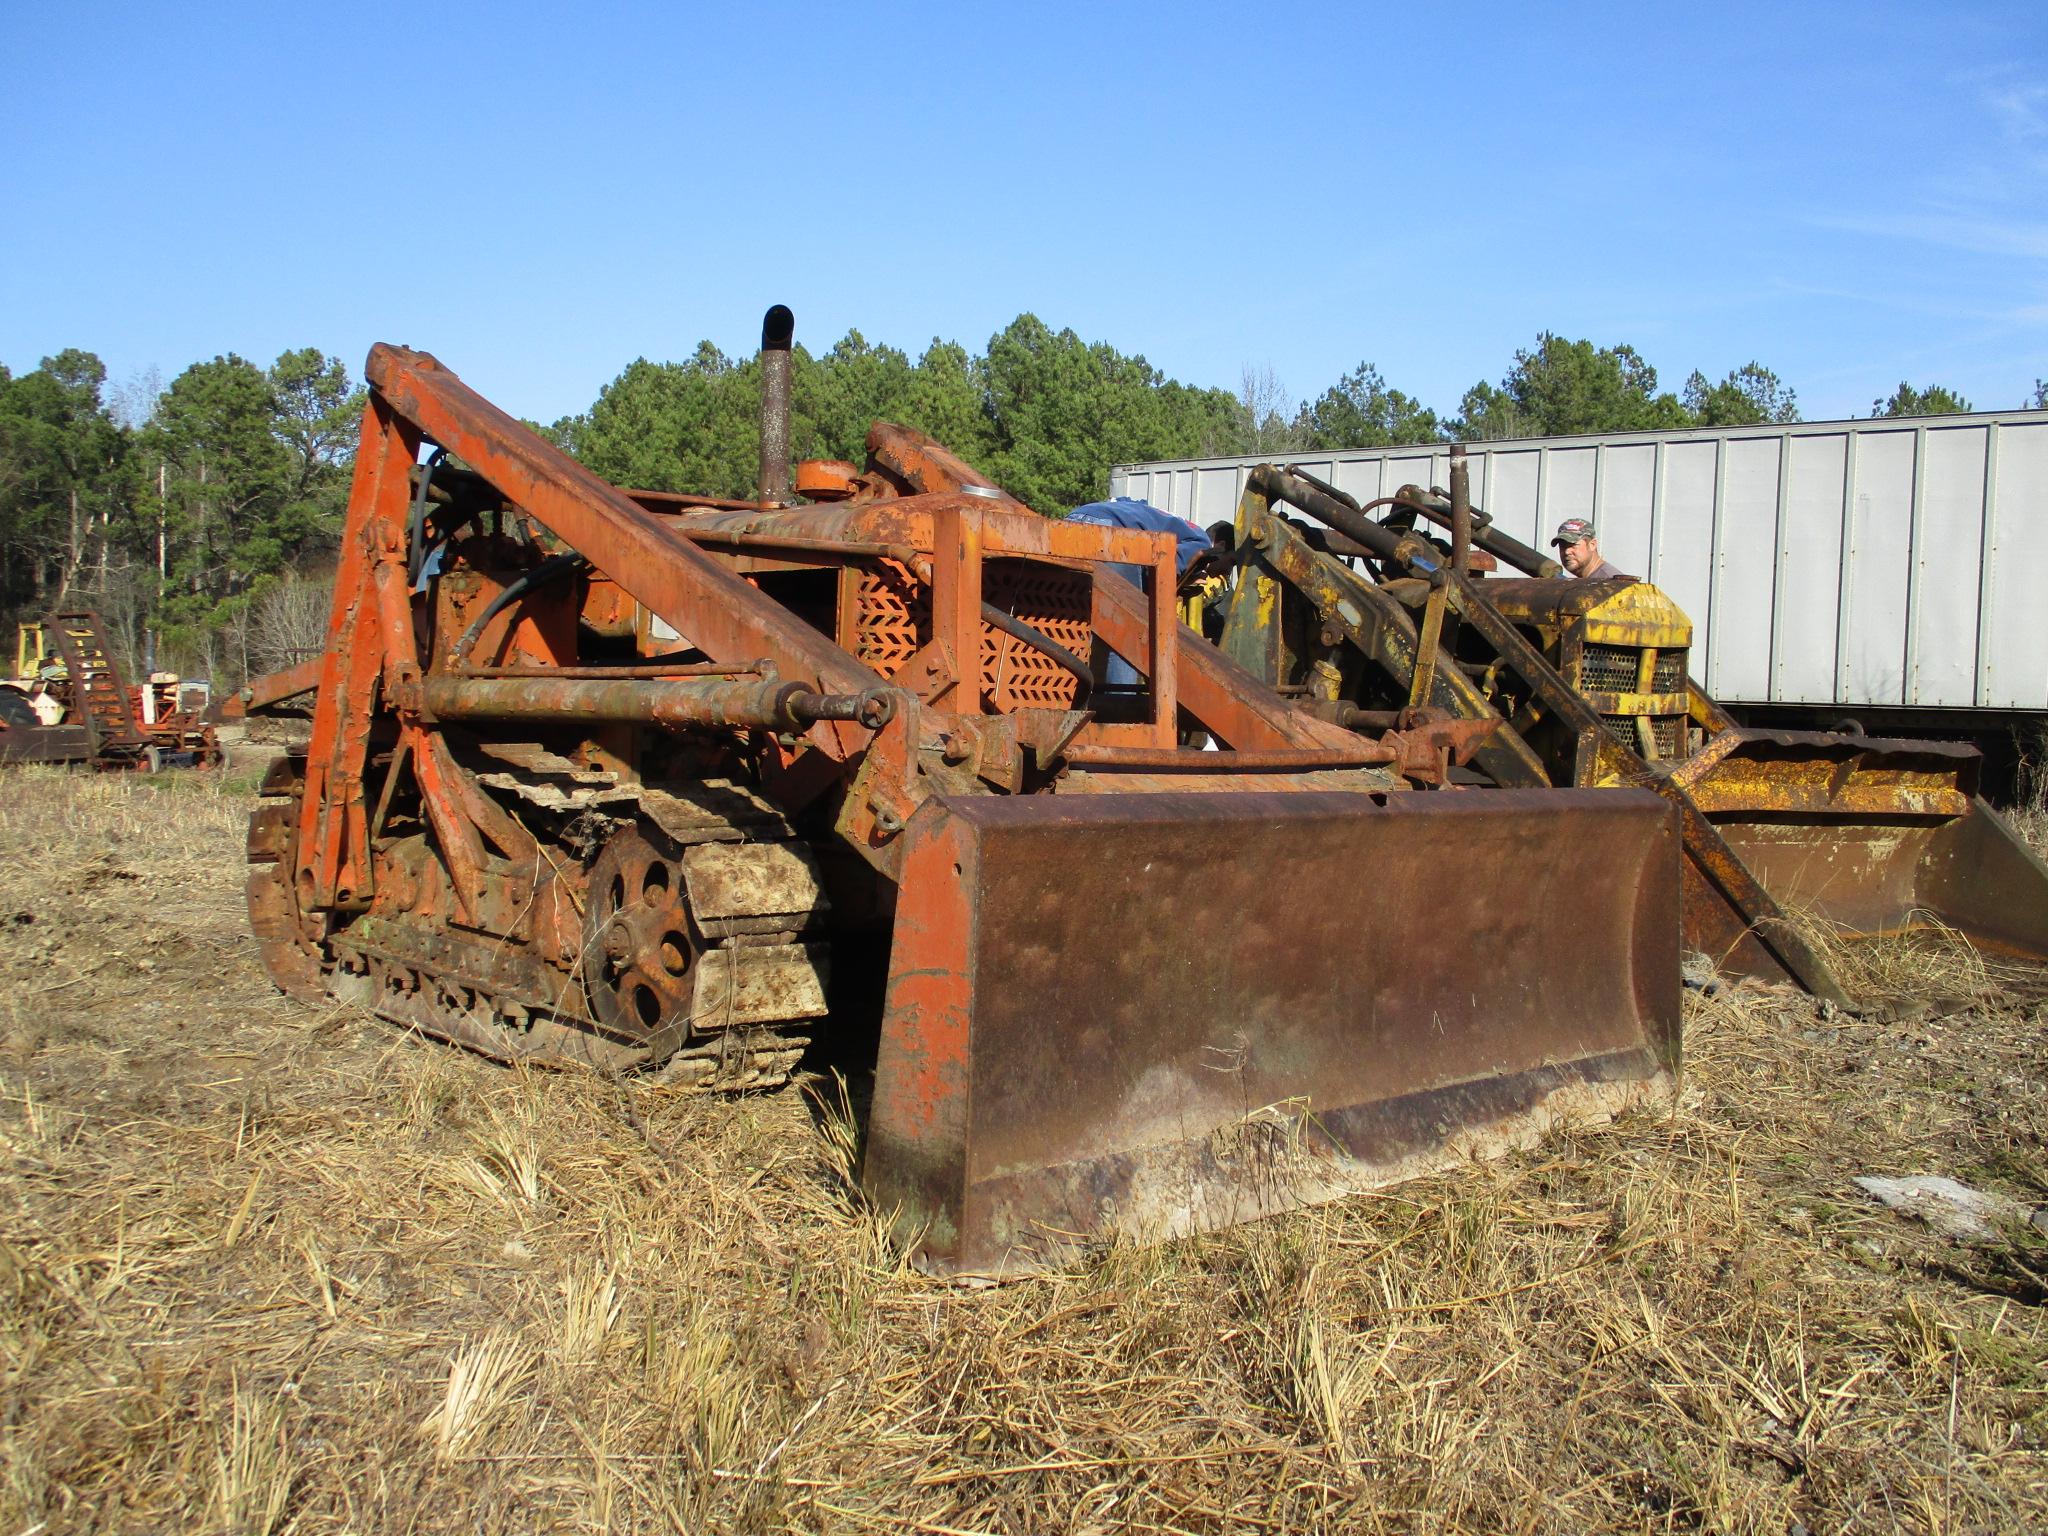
(893, 620)
(1610, 668)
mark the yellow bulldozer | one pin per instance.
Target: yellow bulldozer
(70, 702)
(1789, 836)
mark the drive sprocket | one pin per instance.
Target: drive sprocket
(705, 954)
(640, 947)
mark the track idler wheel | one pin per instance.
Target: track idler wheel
(291, 952)
(642, 949)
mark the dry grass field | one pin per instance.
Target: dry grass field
(265, 1268)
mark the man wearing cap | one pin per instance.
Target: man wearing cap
(1579, 549)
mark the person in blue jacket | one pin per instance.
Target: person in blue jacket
(1129, 512)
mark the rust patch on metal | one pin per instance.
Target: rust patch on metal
(1087, 992)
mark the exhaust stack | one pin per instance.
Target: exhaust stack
(778, 329)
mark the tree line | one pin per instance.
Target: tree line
(174, 511)
(1045, 414)
(193, 515)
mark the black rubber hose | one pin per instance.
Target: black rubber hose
(416, 524)
(546, 571)
(1017, 629)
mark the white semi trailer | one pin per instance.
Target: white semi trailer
(1891, 571)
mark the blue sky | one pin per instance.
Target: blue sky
(1850, 194)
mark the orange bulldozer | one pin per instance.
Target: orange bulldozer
(651, 782)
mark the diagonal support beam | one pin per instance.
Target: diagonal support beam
(729, 620)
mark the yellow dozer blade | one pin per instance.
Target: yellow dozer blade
(1152, 1014)
(1873, 835)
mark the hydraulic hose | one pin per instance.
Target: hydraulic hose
(1484, 535)
(1017, 629)
(546, 571)
(1412, 555)
(416, 524)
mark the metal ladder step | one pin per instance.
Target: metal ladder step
(96, 682)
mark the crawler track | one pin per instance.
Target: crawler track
(697, 970)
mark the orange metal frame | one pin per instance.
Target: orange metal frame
(922, 500)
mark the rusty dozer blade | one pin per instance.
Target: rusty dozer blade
(1873, 835)
(1144, 1015)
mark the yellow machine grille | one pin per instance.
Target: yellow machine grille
(1667, 731)
(1609, 668)
(1618, 669)
(1615, 669)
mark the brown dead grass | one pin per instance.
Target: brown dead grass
(269, 1268)
(2032, 821)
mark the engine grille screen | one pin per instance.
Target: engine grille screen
(1667, 731)
(1610, 668)
(893, 619)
